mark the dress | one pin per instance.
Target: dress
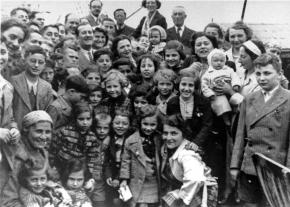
(212, 78)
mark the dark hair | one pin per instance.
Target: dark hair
(189, 73)
(34, 49)
(94, 87)
(150, 111)
(28, 167)
(259, 44)
(74, 165)
(151, 57)
(119, 10)
(102, 51)
(50, 63)
(90, 69)
(217, 26)
(116, 42)
(77, 83)
(175, 45)
(268, 59)
(122, 61)
(5, 25)
(197, 35)
(90, 4)
(14, 11)
(33, 14)
(79, 108)
(47, 26)
(158, 3)
(237, 26)
(105, 33)
(176, 121)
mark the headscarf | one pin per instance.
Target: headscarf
(35, 117)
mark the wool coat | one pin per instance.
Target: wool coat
(264, 128)
(133, 164)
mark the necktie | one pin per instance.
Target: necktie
(178, 33)
(90, 56)
(32, 98)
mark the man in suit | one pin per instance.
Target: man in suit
(263, 127)
(95, 10)
(30, 92)
(71, 22)
(179, 31)
(86, 38)
(121, 27)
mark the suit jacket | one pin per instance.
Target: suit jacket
(126, 30)
(184, 39)
(264, 128)
(21, 102)
(84, 62)
(158, 19)
(134, 163)
(197, 128)
(92, 21)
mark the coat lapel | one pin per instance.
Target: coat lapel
(39, 93)
(137, 149)
(22, 88)
(275, 101)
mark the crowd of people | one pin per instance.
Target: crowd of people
(95, 113)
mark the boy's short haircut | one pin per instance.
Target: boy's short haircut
(122, 61)
(268, 59)
(77, 83)
(34, 49)
(117, 10)
(102, 51)
(165, 74)
(91, 69)
(50, 63)
(94, 88)
(103, 118)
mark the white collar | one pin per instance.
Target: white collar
(32, 85)
(182, 28)
(270, 93)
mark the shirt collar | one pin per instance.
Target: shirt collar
(270, 93)
(186, 102)
(182, 28)
(32, 85)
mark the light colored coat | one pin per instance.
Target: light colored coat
(21, 101)
(264, 128)
(187, 167)
(133, 164)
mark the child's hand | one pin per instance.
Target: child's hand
(123, 183)
(90, 185)
(115, 183)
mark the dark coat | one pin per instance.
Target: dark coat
(264, 128)
(184, 39)
(126, 30)
(197, 129)
(158, 19)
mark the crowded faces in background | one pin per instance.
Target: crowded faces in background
(93, 110)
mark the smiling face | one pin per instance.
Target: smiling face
(96, 7)
(186, 88)
(172, 58)
(267, 77)
(155, 37)
(39, 134)
(99, 40)
(72, 23)
(124, 48)
(75, 180)
(151, 5)
(14, 37)
(203, 47)
(113, 88)
(86, 37)
(147, 68)
(37, 181)
(84, 121)
(172, 136)
(245, 59)
(3, 55)
(35, 64)
(149, 125)
(121, 125)
(237, 37)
